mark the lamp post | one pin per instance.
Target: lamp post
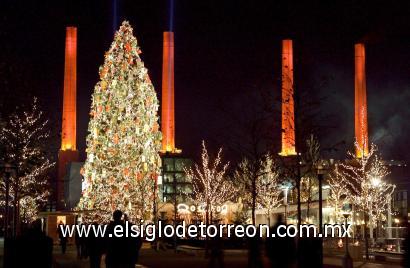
(347, 260)
(375, 183)
(321, 170)
(397, 221)
(155, 204)
(285, 189)
(174, 185)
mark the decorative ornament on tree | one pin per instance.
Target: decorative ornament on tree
(122, 132)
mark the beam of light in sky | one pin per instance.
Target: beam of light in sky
(171, 15)
(114, 16)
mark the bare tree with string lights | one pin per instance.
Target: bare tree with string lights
(22, 140)
(258, 184)
(339, 192)
(268, 187)
(369, 191)
(210, 184)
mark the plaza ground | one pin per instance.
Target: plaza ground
(169, 259)
(160, 259)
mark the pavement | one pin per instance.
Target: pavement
(333, 262)
(169, 259)
(160, 259)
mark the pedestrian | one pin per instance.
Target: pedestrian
(95, 247)
(254, 252)
(36, 247)
(281, 251)
(77, 240)
(62, 237)
(217, 253)
(134, 243)
(121, 251)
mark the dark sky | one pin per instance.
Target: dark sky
(224, 51)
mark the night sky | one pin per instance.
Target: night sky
(225, 51)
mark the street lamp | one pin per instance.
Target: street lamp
(347, 260)
(397, 221)
(375, 181)
(321, 170)
(285, 189)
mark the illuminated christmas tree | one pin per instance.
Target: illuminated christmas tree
(124, 138)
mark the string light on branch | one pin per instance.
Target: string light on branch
(365, 180)
(23, 139)
(210, 185)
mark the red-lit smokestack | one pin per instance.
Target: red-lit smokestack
(360, 100)
(68, 151)
(288, 110)
(168, 114)
(68, 141)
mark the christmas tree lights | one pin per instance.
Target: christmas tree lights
(124, 139)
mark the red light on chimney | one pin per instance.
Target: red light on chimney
(360, 117)
(288, 109)
(168, 112)
(68, 141)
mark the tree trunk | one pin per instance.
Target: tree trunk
(299, 203)
(15, 212)
(308, 201)
(18, 219)
(206, 234)
(254, 200)
(366, 239)
(207, 213)
(298, 182)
